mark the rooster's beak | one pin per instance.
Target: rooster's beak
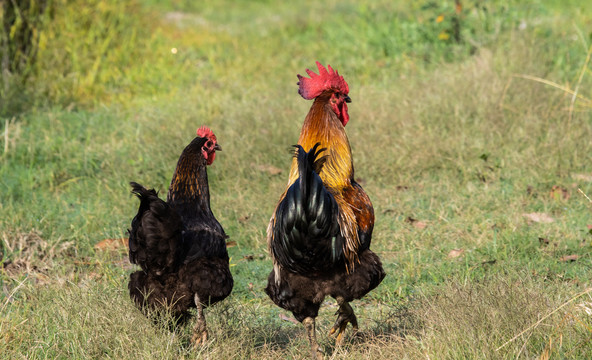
(217, 147)
(347, 99)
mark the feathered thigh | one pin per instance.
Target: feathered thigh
(209, 278)
(303, 295)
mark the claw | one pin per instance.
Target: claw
(199, 338)
(345, 315)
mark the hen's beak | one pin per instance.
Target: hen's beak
(217, 147)
(347, 99)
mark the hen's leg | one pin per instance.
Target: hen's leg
(346, 315)
(309, 324)
(200, 332)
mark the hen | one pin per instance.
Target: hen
(179, 244)
(319, 234)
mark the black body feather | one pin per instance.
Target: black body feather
(179, 244)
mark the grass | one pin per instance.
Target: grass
(453, 134)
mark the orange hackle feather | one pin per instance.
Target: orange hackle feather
(184, 183)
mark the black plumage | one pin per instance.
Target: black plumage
(306, 230)
(178, 244)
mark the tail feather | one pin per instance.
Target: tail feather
(156, 234)
(306, 232)
(141, 192)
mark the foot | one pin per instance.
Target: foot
(199, 338)
(200, 331)
(346, 315)
(309, 324)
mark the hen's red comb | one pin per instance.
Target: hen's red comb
(205, 132)
(325, 80)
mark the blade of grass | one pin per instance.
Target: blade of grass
(533, 326)
(581, 77)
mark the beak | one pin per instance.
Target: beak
(347, 99)
(217, 147)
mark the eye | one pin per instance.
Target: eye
(209, 144)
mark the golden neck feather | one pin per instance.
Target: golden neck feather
(323, 126)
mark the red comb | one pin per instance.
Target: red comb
(325, 80)
(205, 132)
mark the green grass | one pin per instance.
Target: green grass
(442, 131)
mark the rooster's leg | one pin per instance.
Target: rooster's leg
(346, 315)
(200, 332)
(309, 324)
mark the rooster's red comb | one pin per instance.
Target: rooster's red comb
(325, 80)
(205, 132)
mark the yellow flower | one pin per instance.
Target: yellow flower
(440, 18)
(444, 35)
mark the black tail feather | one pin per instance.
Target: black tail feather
(306, 231)
(155, 236)
(141, 192)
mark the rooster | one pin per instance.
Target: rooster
(319, 234)
(179, 244)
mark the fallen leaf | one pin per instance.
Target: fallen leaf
(420, 225)
(288, 318)
(270, 169)
(539, 217)
(243, 219)
(454, 253)
(417, 223)
(112, 244)
(559, 193)
(230, 244)
(570, 258)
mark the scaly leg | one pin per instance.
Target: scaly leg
(346, 315)
(200, 332)
(309, 324)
